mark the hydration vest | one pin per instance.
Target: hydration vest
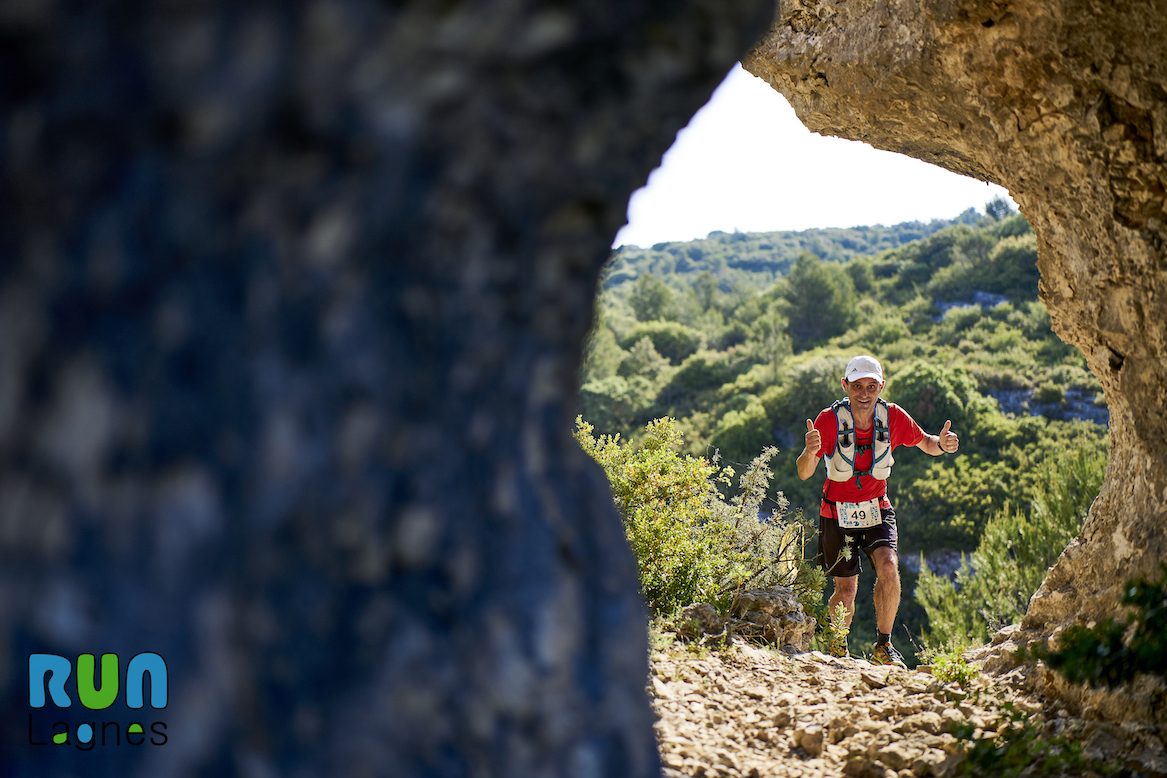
(841, 463)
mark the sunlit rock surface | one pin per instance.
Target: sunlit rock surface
(1065, 104)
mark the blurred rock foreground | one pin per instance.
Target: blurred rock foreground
(292, 301)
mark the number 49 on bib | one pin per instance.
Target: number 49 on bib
(859, 515)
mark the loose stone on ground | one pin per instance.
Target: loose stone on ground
(750, 711)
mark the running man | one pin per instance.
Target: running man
(856, 436)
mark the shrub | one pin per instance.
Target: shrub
(602, 355)
(874, 333)
(1012, 557)
(951, 498)
(831, 638)
(701, 372)
(742, 431)
(644, 360)
(1049, 394)
(615, 402)
(691, 543)
(933, 393)
(951, 667)
(672, 340)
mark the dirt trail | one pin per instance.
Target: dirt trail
(750, 711)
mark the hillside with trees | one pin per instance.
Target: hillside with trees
(741, 338)
(760, 258)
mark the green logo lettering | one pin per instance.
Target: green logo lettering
(91, 696)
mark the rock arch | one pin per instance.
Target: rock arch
(1065, 104)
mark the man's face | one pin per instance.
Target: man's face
(862, 393)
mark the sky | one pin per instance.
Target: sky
(746, 163)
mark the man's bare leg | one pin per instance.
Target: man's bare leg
(845, 589)
(887, 588)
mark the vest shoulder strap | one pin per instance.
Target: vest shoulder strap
(843, 407)
(882, 421)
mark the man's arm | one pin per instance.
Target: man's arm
(808, 460)
(945, 443)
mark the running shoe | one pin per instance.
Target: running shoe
(886, 654)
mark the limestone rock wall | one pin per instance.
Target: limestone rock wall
(292, 302)
(1065, 103)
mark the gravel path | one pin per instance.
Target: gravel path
(749, 711)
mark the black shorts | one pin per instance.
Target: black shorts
(833, 540)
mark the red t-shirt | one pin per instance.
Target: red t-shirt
(904, 432)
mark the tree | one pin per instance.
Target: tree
(769, 341)
(603, 355)
(1012, 557)
(671, 339)
(998, 209)
(820, 302)
(643, 360)
(861, 273)
(706, 290)
(651, 298)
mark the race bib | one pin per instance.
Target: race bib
(859, 515)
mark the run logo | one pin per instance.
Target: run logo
(49, 690)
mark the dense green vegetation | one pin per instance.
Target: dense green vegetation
(740, 338)
(692, 544)
(763, 257)
(993, 587)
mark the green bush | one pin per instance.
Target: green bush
(951, 667)
(1007, 267)
(739, 432)
(1049, 394)
(950, 498)
(692, 544)
(702, 372)
(1012, 557)
(603, 354)
(1013, 225)
(614, 403)
(1012, 267)
(831, 638)
(672, 340)
(934, 393)
(820, 302)
(642, 359)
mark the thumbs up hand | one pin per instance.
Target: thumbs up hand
(948, 440)
(814, 439)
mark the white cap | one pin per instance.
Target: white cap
(863, 367)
